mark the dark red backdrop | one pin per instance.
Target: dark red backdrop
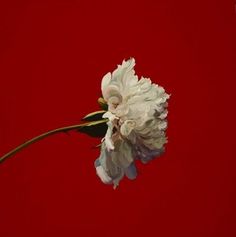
(52, 58)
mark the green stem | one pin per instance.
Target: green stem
(46, 134)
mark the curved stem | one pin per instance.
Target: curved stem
(46, 134)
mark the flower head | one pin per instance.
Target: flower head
(137, 111)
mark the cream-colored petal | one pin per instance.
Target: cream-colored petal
(108, 137)
(103, 175)
(105, 81)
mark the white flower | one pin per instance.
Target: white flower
(137, 111)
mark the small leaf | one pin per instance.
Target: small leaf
(97, 146)
(95, 128)
(102, 103)
(94, 116)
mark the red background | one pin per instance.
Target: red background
(52, 58)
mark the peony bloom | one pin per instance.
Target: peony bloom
(132, 123)
(137, 111)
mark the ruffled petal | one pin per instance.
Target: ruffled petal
(103, 175)
(131, 172)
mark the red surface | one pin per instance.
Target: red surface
(52, 58)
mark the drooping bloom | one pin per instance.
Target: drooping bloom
(137, 111)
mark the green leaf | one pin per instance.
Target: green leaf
(95, 128)
(102, 103)
(94, 116)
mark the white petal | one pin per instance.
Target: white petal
(109, 115)
(108, 137)
(127, 127)
(103, 175)
(105, 81)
